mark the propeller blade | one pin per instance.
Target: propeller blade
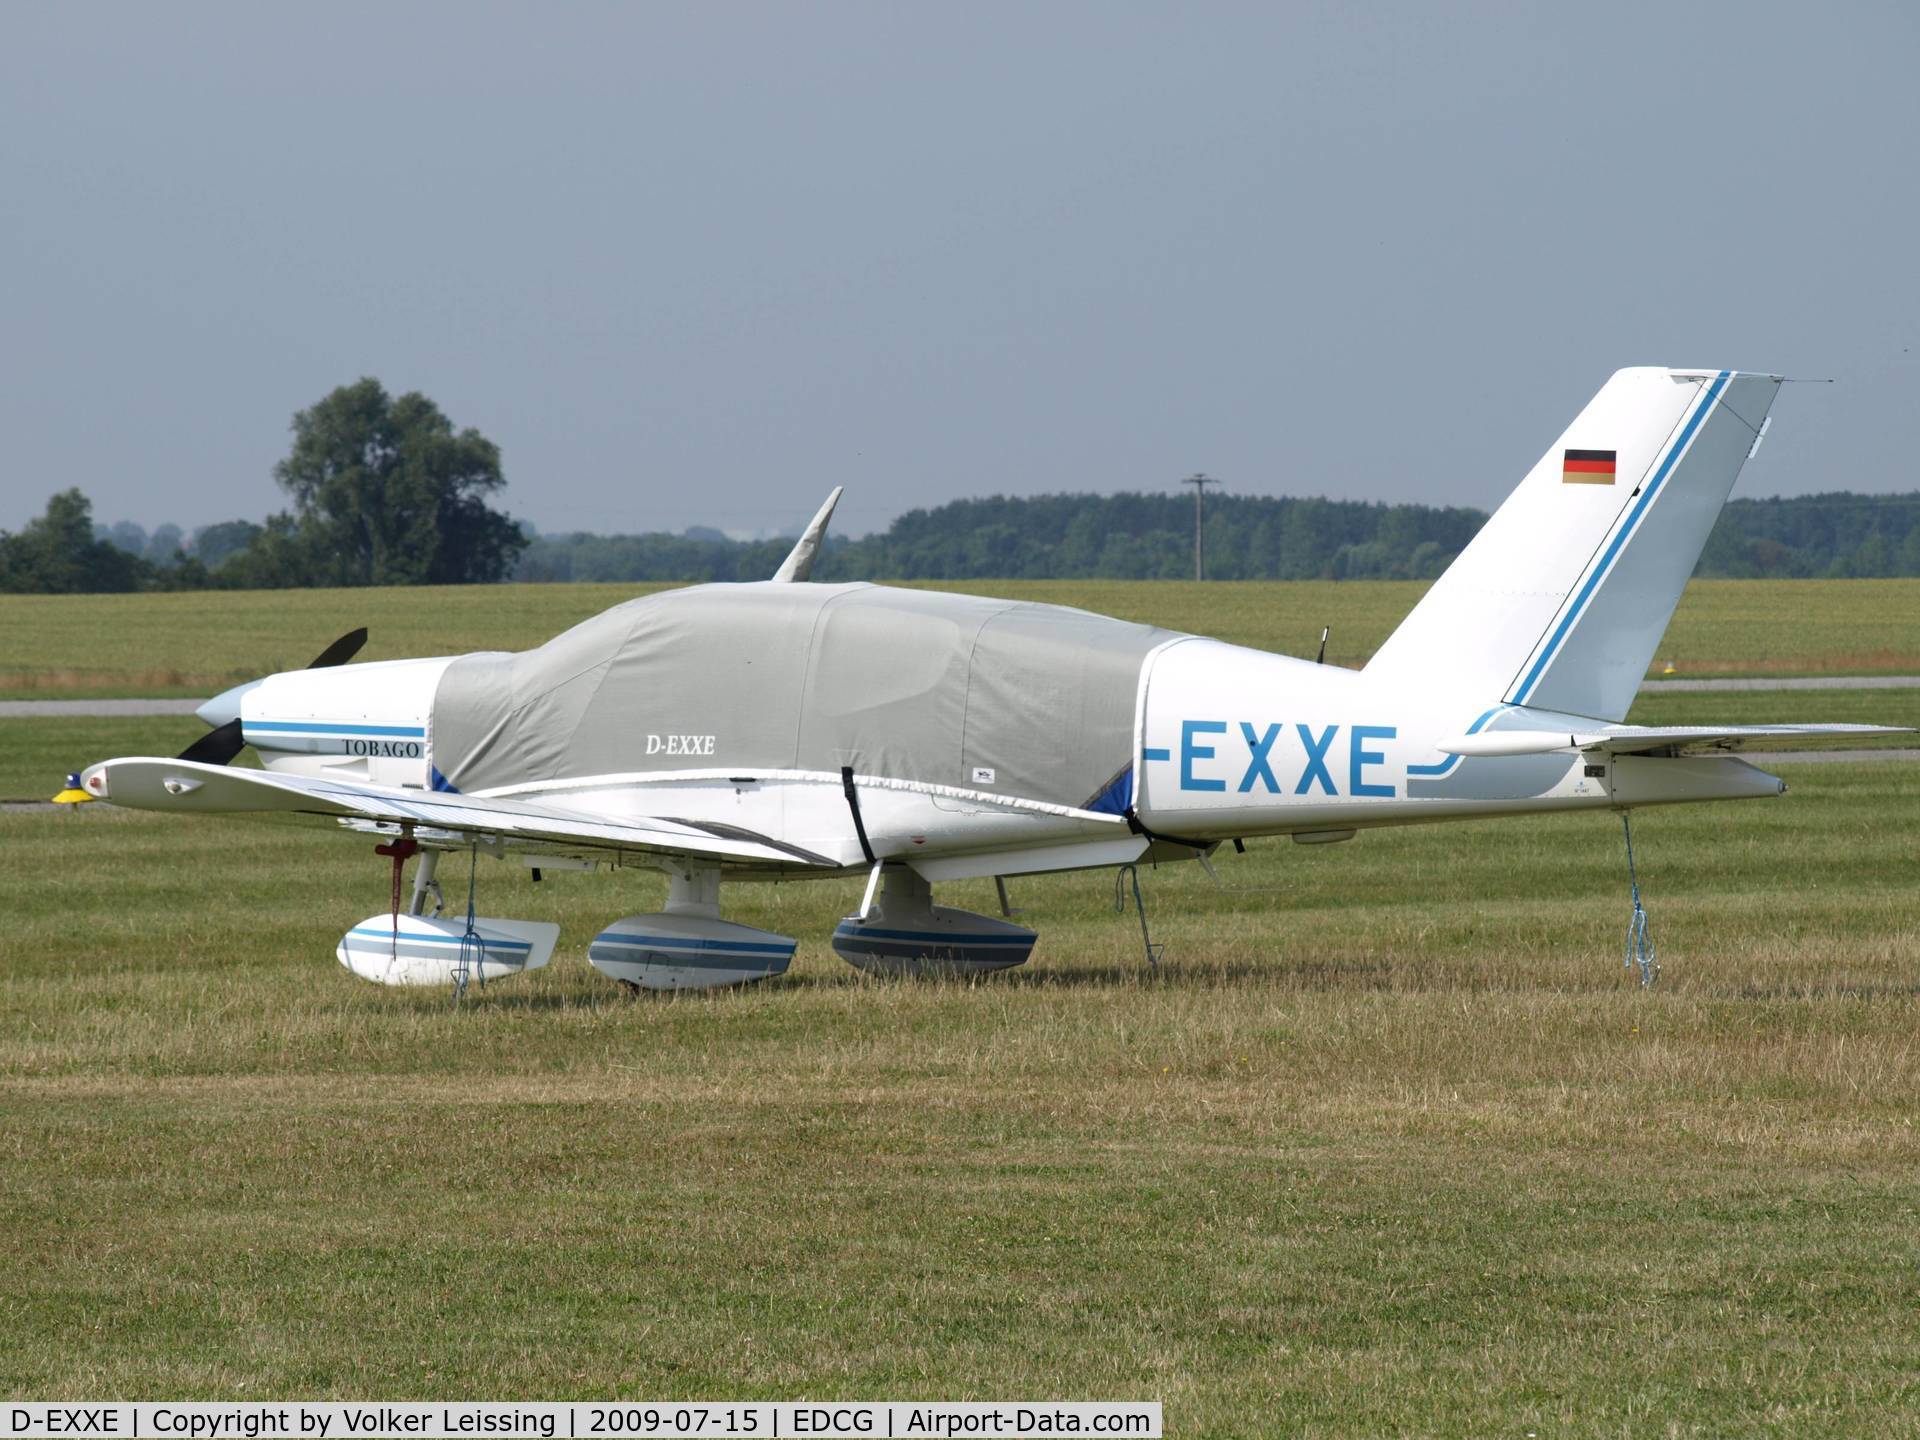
(216, 747)
(340, 651)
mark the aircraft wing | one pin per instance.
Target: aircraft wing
(186, 786)
(1642, 739)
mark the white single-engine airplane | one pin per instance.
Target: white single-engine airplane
(787, 730)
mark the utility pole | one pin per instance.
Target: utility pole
(1199, 483)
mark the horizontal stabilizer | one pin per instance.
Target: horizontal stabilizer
(144, 783)
(1646, 739)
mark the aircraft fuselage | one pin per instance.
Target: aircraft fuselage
(750, 722)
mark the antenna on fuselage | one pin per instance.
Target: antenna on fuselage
(1321, 658)
(799, 562)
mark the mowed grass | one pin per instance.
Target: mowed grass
(196, 644)
(36, 755)
(1390, 1143)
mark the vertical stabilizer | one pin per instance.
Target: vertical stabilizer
(1561, 599)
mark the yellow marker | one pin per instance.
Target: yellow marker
(73, 794)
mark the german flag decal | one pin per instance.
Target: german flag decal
(1587, 467)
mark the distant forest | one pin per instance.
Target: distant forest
(1012, 538)
(1150, 537)
(1129, 536)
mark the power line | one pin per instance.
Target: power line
(1199, 483)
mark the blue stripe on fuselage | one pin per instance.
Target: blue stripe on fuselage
(319, 727)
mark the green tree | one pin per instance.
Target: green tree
(216, 543)
(126, 534)
(387, 492)
(277, 558)
(58, 554)
(163, 546)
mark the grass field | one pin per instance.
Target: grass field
(196, 644)
(1390, 1144)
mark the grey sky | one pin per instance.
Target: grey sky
(697, 264)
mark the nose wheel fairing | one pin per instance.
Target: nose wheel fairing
(406, 949)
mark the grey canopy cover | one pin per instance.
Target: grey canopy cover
(1035, 701)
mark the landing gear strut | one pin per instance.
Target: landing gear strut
(424, 884)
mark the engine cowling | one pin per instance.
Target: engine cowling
(364, 722)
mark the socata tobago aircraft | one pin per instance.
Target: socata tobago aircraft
(786, 730)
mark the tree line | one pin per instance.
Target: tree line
(1045, 537)
(385, 491)
(1150, 537)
